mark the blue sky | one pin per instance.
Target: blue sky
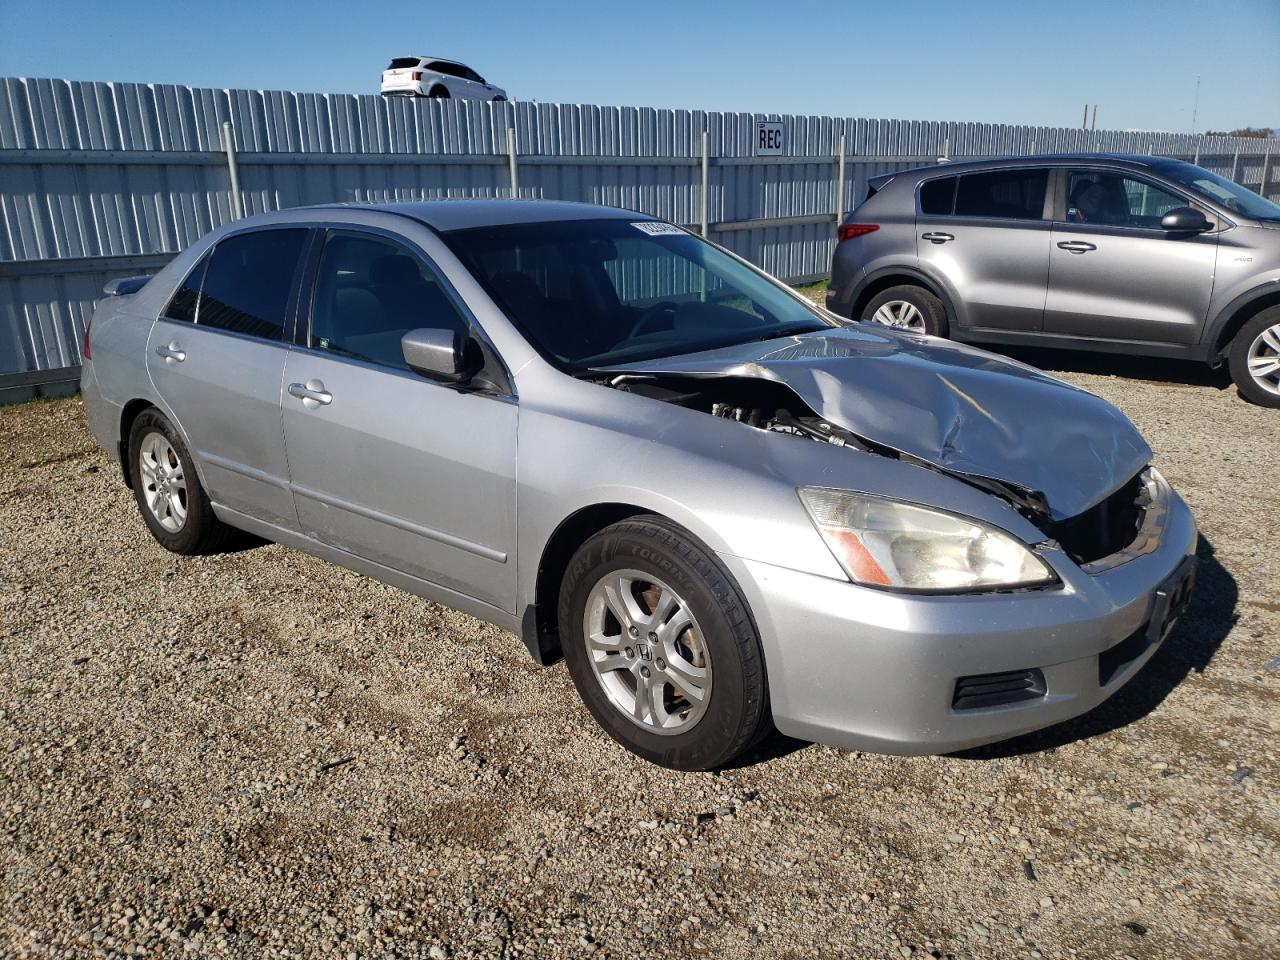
(997, 62)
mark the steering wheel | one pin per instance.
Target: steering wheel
(651, 314)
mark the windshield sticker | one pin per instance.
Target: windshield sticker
(656, 228)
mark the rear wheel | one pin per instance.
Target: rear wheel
(907, 307)
(661, 646)
(170, 498)
(438, 93)
(1254, 358)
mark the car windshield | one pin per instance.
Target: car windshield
(593, 293)
(1223, 192)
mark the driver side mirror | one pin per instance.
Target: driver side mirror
(1185, 220)
(449, 356)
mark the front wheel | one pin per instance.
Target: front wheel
(907, 307)
(1254, 358)
(661, 646)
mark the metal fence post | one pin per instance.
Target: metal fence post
(511, 162)
(703, 199)
(229, 145)
(840, 179)
(1235, 165)
(946, 151)
(1266, 174)
(1196, 159)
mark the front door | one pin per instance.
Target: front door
(412, 474)
(217, 357)
(1114, 274)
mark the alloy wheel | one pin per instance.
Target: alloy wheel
(647, 652)
(163, 478)
(900, 313)
(1264, 359)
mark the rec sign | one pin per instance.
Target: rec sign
(771, 138)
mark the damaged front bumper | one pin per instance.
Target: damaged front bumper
(891, 673)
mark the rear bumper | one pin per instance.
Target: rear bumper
(870, 670)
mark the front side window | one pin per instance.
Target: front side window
(370, 292)
(1003, 194)
(248, 282)
(1113, 200)
(183, 304)
(589, 293)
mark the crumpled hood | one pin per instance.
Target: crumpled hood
(961, 409)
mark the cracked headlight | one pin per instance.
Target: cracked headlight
(893, 545)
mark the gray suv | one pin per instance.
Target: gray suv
(1126, 254)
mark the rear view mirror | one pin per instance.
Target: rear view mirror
(1185, 220)
(449, 356)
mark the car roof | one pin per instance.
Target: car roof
(460, 214)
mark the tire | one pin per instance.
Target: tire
(915, 307)
(734, 713)
(1258, 341)
(499, 99)
(438, 93)
(197, 530)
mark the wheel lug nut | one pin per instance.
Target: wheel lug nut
(644, 672)
(653, 638)
(660, 664)
(633, 631)
(629, 653)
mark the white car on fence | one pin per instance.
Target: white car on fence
(433, 77)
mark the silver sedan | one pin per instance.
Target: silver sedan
(726, 509)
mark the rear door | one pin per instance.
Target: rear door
(987, 236)
(1114, 274)
(217, 357)
(387, 465)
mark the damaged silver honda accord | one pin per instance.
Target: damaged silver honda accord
(724, 508)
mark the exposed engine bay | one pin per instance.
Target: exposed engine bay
(773, 406)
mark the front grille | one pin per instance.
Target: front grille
(997, 689)
(1105, 528)
(1112, 661)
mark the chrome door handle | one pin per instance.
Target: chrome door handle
(312, 394)
(1076, 246)
(936, 237)
(172, 353)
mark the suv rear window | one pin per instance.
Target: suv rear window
(1003, 194)
(400, 63)
(937, 197)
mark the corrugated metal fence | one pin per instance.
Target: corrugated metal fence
(106, 179)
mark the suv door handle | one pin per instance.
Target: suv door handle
(935, 237)
(312, 394)
(172, 353)
(1076, 246)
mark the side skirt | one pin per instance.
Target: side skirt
(1144, 348)
(418, 587)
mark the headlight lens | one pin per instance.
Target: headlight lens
(900, 546)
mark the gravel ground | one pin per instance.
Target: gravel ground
(257, 754)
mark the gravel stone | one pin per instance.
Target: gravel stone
(164, 722)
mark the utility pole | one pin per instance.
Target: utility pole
(1195, 109)
(1095, 118)
(1084, 124)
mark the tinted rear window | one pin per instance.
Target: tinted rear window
(400, 63)
(247, 284)
(937, 196)
(1004, 194)
(183, 305)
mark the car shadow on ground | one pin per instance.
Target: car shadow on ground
(1190, 647)
(1177, 373)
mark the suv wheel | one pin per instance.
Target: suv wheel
(907, 307)
(661, 647)
(172, 502)
(1254, 358)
